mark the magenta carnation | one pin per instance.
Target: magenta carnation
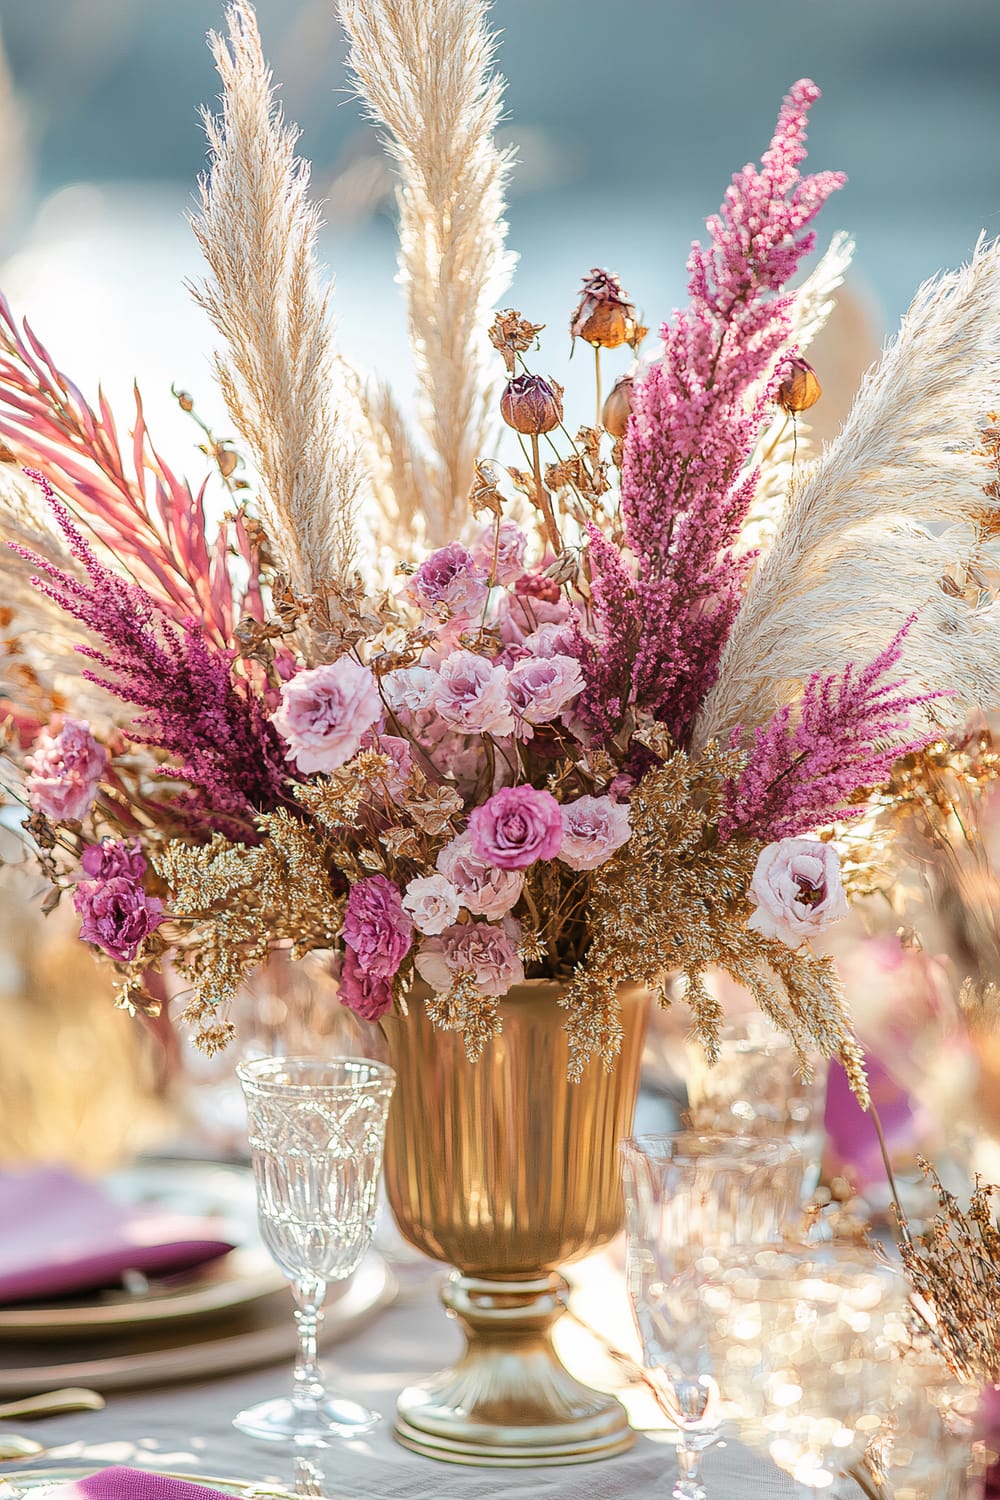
(117, 915)
(486, 952)
(516, 827)
(368, 995)
(325, 712)
(376, 926)
(113, 859)
(65, 771)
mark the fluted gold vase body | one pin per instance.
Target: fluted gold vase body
(505, 1170)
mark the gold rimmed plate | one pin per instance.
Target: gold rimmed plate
(261, 1334)
(228, 1285)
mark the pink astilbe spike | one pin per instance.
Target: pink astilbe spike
(149, 518)
(806, 764)
(685, 489)
(214, 726)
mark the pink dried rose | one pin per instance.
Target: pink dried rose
(376, 926)
(368, 995)
(797, 890)
(511, 546)
(486, 952)
(113, 858)
(397, 752)
(471, 695)
(538, 689)
(450, 584)
(592, 829)
(65, 771)
(433, 903)
(483, 888)
(117, 915)
(552, 639)
(516, 826)
(325, 712)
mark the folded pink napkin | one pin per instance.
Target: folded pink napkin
(60, 1234)
(133, 1484)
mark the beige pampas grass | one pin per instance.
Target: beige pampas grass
(258, 230)
(423, 69)
(887, 524)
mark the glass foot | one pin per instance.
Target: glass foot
(328, 1421)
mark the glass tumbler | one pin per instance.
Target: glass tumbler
(316, 1130)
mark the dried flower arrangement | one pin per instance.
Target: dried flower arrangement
(588, 734)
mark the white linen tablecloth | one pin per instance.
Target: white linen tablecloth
(188, 1428)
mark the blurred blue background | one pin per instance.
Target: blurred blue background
(629, 118)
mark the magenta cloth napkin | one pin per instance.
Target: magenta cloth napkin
(61, 1234)
(134, 1484)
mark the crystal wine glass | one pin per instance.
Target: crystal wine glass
(689, 1195)
(757, 1087)
(317, 1129)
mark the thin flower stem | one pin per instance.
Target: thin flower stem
(597, 381)
(904, 1227)
(543, 499)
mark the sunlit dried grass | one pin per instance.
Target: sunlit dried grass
(424, 71)
(257, 230)
(894, 508)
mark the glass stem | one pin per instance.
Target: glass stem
(689, 1485)
(307, 1384)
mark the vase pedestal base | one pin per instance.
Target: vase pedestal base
(509, 1402)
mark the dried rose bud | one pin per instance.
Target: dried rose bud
(604, 316)
(617, 407)
(800, 387)
(185, 400)
(532, 405)
(537, 586)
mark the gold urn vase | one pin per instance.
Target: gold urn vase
(505, 1170)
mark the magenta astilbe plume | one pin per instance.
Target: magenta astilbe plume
(685, 486)
(606, 658)
(846, 736)
(226, 748)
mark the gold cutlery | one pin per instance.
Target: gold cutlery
(52, 1403)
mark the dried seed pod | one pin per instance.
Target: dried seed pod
(800, 387)
(604, 316)
(531, 404)
(617, 407)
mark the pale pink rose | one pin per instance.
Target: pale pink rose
(410, 689)
(65, 772)
(484, 889)
(450, 584)
(471, 695)
(538, 690)
(551, 640)
(797, 890)
(397, 752)
(516, 827)
(513, 544)
(592, 829)
(324, 713)
(376, 926)
(489, 953)
(432, 902)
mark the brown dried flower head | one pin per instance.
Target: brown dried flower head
(618, 407)
(604, 316)
(531, 404)
(485, 491)
(799, 388)
(512, 335)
